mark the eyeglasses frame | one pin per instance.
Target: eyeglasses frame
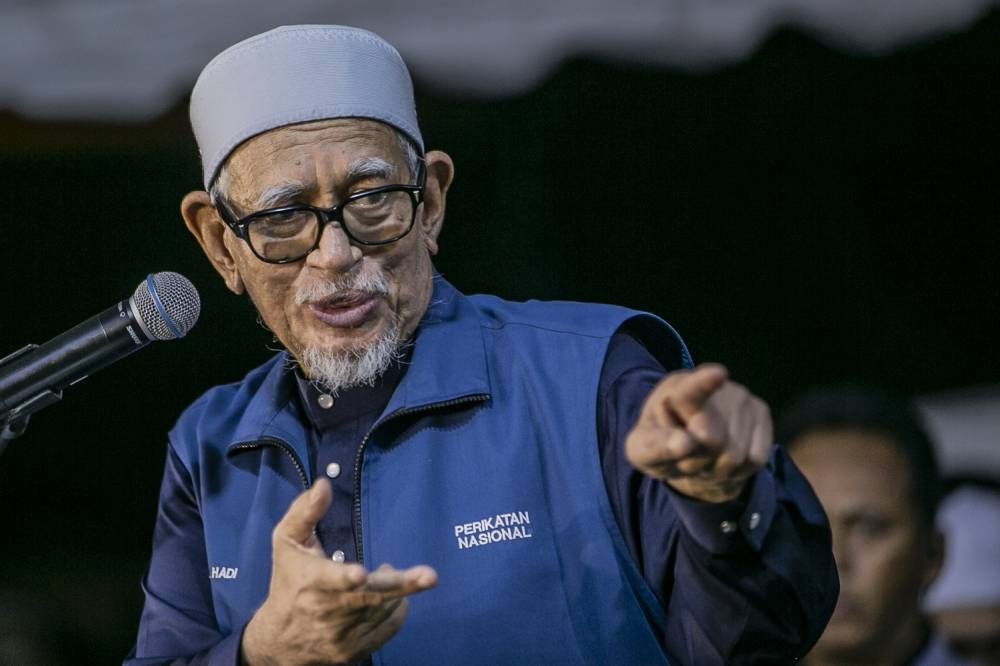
(241, 226)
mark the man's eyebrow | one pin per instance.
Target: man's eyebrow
(369, 167)
(291, 190)
(279, 195)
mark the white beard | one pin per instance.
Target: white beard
(334, 372)
(362, 366)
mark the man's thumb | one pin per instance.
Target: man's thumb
(300, 520)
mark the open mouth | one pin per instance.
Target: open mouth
(345, 310)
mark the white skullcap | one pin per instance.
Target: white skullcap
(296, 74)
(970, 520)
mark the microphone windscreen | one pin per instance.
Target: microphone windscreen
(167, 305)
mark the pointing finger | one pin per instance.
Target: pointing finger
(692, 390)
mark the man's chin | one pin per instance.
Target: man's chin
(340, 365)
(345, 341)
(848, 639)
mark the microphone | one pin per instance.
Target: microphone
(165, 306)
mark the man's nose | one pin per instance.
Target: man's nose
(335, 251)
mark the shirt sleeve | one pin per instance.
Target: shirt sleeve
(178, 622)
(746, 581)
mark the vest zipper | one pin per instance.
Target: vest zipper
(281, 444)
(359, 548)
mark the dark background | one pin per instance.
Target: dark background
(805, 216)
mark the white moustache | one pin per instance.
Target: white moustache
(371, 284)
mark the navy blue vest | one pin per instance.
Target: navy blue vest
(484, 465)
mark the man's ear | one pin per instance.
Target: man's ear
(936, 545)
(204, 223)
(440, 171)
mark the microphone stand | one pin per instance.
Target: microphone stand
(15, 419)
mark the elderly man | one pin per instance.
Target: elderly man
(875, 472)
(426, 477)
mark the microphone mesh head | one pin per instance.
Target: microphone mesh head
(178, 308)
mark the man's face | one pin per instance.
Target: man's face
(321, 163)
(884, 555)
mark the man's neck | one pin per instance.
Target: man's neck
(900, 649)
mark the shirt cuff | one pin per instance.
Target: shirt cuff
(723, 527)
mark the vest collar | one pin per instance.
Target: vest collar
(448, 363)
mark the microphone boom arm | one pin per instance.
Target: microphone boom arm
(15, 420)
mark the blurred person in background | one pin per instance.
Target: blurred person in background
(964, 601)
(874, 470)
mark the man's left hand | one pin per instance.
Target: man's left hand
(701, 433)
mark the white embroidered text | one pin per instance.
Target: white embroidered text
(500, 527)
(224, 572)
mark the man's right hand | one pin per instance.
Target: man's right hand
(318, 611)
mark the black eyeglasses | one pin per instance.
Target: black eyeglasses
(378, 216)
